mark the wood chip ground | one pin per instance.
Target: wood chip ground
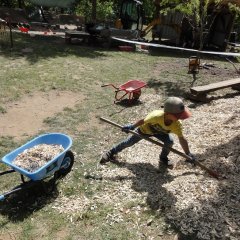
(189, 198)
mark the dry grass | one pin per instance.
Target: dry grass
(130, 200)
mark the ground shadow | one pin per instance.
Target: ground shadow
(44, 47)
(162, 51)
(231, 148)
(148, 179)
(129, 103)
(19, 206)
(126, 104)
(151, 180)
(212, 211)
(221, 213)
(170, 88)
(178, 53)
(196, 103)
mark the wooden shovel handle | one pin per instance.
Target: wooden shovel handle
(209, 171)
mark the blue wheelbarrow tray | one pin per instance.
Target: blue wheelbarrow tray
(51, 167)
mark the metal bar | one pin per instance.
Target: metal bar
(119, 98)
(6, 172)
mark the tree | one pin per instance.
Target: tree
(198, 11)
(12, 3)
(94, 10)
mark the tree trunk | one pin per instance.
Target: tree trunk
(20, 3)
(202, 16)
(94, 10)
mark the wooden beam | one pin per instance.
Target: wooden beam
(199, 93)
(215, 86)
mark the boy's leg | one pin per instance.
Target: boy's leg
(108, 156)
(167, 139)
(131, 140)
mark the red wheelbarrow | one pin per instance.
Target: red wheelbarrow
(132, 88)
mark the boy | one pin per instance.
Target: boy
(157, 124)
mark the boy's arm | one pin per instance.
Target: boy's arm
(128, 127)
(184, 143)
(138, 123)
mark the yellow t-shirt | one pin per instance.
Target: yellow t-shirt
(154, 124)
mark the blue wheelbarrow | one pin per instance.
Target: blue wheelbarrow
(57, 167)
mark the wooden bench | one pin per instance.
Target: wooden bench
(199, 93)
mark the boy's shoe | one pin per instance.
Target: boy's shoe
(106, 157)
(165, 162)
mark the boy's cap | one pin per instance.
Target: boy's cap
(175, 106)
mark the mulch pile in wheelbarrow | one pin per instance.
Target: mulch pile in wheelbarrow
(33, 158)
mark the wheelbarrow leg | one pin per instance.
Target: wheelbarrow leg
(120, 98)
(134, 95)
(130, 98)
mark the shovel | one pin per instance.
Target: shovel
(209, 171)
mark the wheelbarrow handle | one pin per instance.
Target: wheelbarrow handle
(110, 84)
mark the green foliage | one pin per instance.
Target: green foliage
(2, 110)
(27, 5)
(104, 10)
(6, 145)
(149, 8)
(7, 3)
(84, 8)
(234, 8)
(197, 10)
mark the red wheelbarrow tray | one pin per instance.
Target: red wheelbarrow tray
(132, 85)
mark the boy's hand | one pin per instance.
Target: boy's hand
(193, 159)
(128, 127)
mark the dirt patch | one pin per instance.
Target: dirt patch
(25, 117)
(91, 124)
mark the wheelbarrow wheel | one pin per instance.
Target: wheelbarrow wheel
(66, 165)
(136, 95)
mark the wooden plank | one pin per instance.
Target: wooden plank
(215, 86)
(76, 34)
